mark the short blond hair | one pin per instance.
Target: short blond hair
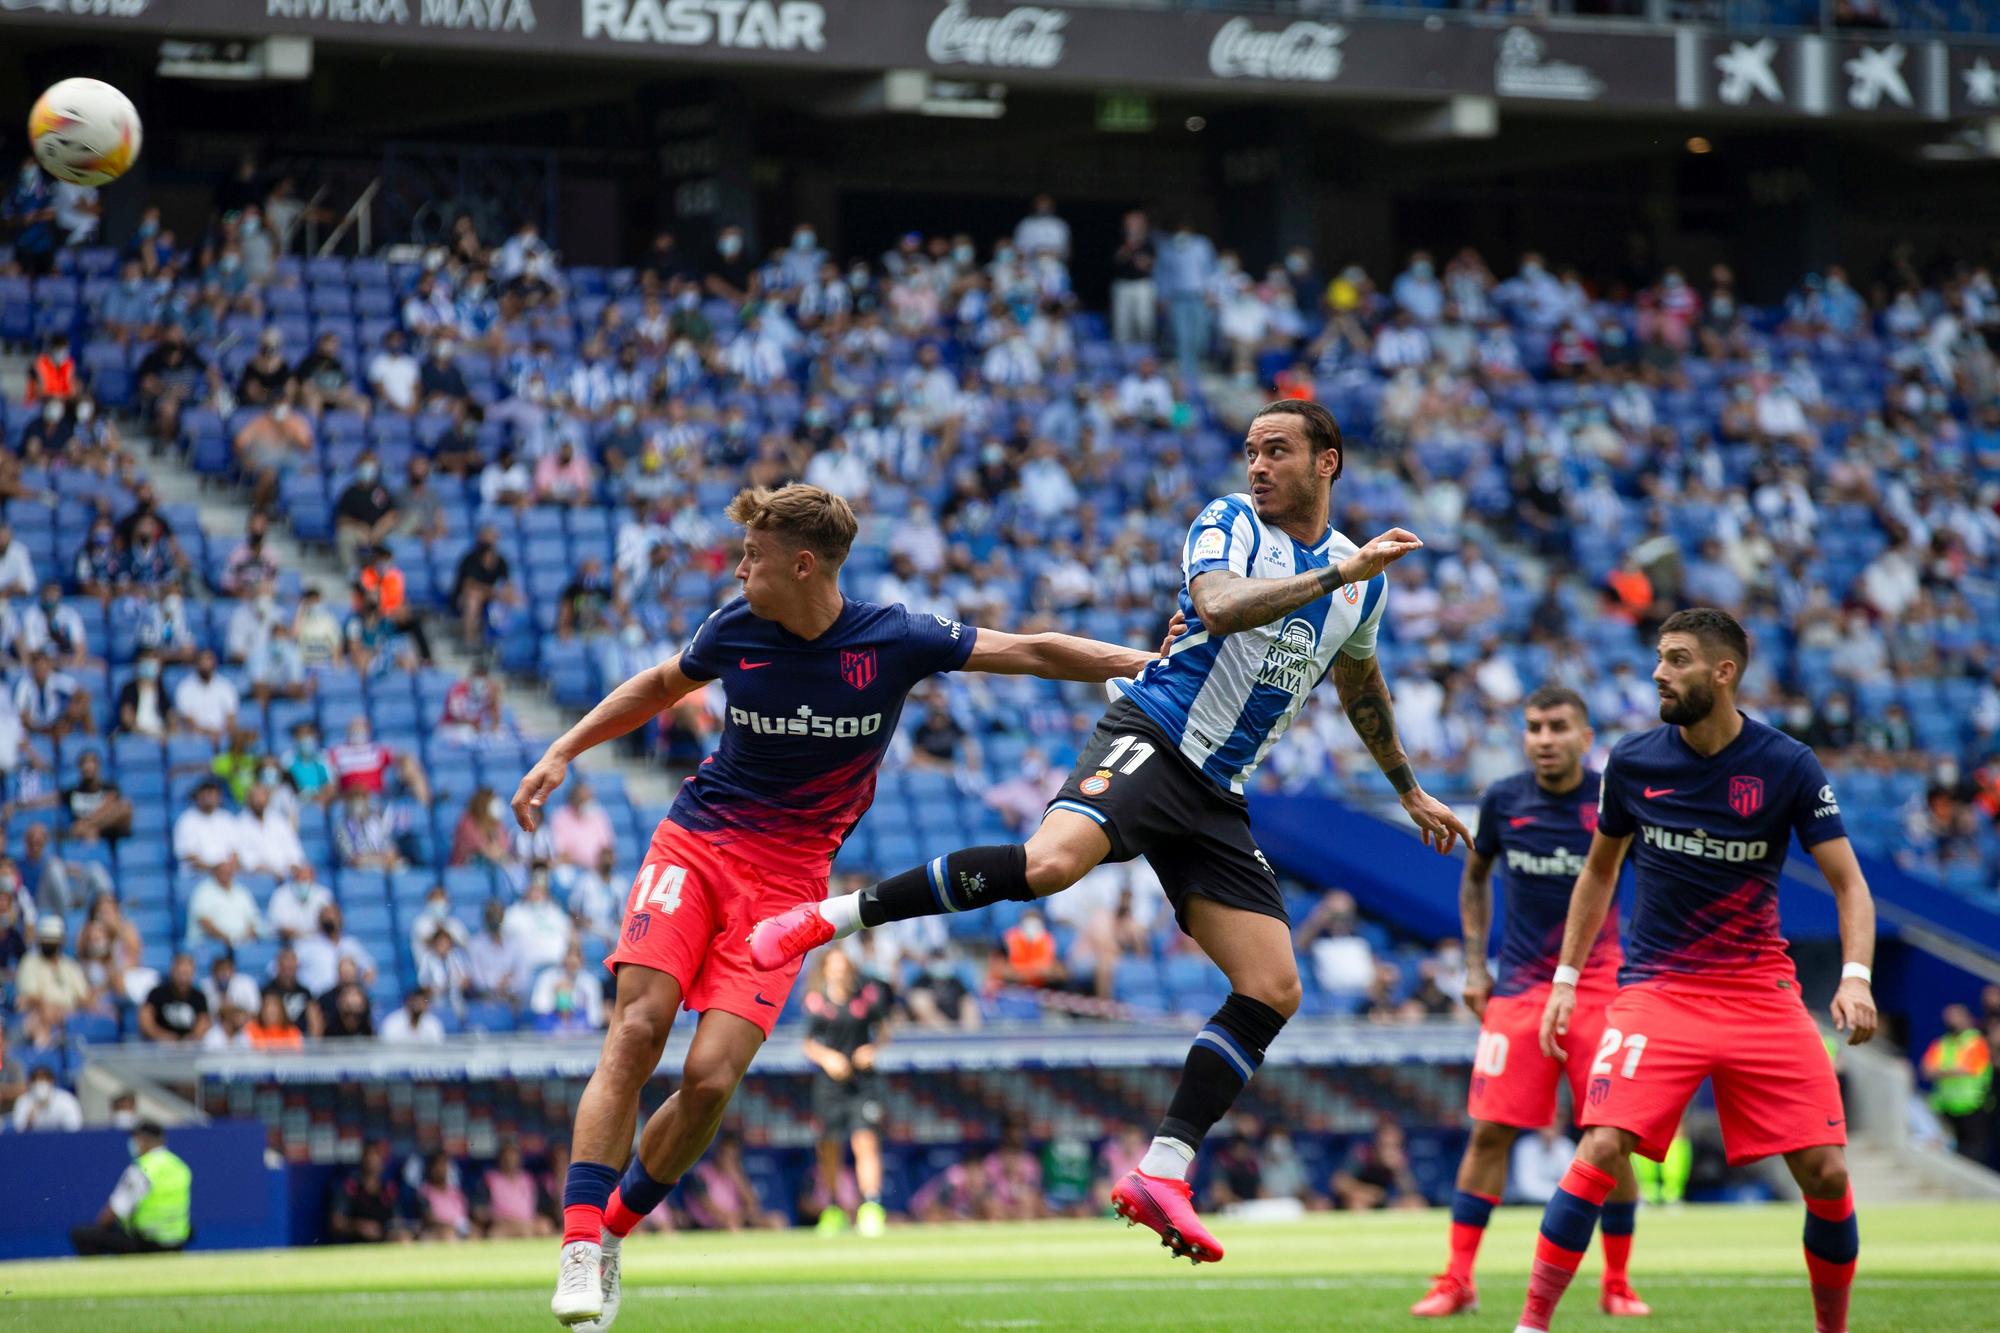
(810, 517)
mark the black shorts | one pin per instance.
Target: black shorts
(849, 1105)
(1154, 803)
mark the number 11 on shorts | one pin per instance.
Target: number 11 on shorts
(1635, 1046)
(657, 889)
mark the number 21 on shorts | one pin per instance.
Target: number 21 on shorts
(1635, 1046)
(658, 889)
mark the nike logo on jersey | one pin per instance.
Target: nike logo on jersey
(745, 664)
(1522, 822)
(766, 1003)
(1655, 793)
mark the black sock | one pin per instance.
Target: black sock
(1226, 1052)
(959, 882)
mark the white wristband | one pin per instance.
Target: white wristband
(1566, 975)
(1861, 970)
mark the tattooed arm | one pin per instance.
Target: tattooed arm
(1228, 602)
(1365, 696)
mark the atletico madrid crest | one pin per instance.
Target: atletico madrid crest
(858, 668)
(1746, 796)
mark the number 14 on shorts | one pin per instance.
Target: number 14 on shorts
(658, 889)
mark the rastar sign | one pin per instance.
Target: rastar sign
(742, 25)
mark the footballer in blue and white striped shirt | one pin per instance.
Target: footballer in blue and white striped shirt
(1275, 600)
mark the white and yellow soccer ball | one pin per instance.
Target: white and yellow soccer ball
(84, 131)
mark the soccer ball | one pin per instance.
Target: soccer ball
(85, 132)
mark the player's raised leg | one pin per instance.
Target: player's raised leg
(601, 1137)
(1482, 1178)
(1066, 847)
(1832, 1238)
(1255, 952)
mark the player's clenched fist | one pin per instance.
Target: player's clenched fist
(1854, 1010)
(1379, 554)
(541, 782)
(1555, 1020)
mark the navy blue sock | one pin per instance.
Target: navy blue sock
(1619, 1219)
(585, 1192)
(638, 1194)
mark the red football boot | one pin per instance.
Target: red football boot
(1166, 1206)
(1447, 1296)
(777, 940)
(1619, 1299)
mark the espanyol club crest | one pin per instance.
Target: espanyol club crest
(1096, 784)
(858, 668)
(1586, 815)
(1746, 796)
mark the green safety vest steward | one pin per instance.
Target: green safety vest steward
(162, 1216)
(1959, 1093)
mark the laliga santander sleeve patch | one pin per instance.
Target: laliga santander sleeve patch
(1211, 544)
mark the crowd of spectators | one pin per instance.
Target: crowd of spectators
(1581, 453)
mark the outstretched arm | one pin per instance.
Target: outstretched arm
(1588, 903)
(624, 710)
(1854, 1001)
(1228, 602)
(1365, 696)
(1053, 657)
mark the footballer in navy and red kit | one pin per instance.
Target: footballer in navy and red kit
(1707, 990)
(755, 830)
(1536, 840)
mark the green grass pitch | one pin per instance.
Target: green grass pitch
(1931, 1268)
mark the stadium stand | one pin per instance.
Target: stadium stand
(534, 457)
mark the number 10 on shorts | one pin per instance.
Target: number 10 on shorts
(658, 889)
(1635, 1046)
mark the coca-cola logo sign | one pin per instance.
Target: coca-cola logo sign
(1302, 53)
(1025, 37)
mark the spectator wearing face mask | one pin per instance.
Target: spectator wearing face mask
(440, 382)
(50, 702)
(322, 954)
(472, 707)
(96, 809)
(49, 985)
(316, 631)
(365, 514)
(394, 375)
(176, 1010)
(307, 766)
(296, 904)
(481, 581)
(364, 835)
(223, 909)
(728, 274)
(206, 701)
(45, 1107)
(324, 381)
(496, 971)
(53, 374)
(536, 925)
(266, 376)
(567, 996)
(143, 708)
